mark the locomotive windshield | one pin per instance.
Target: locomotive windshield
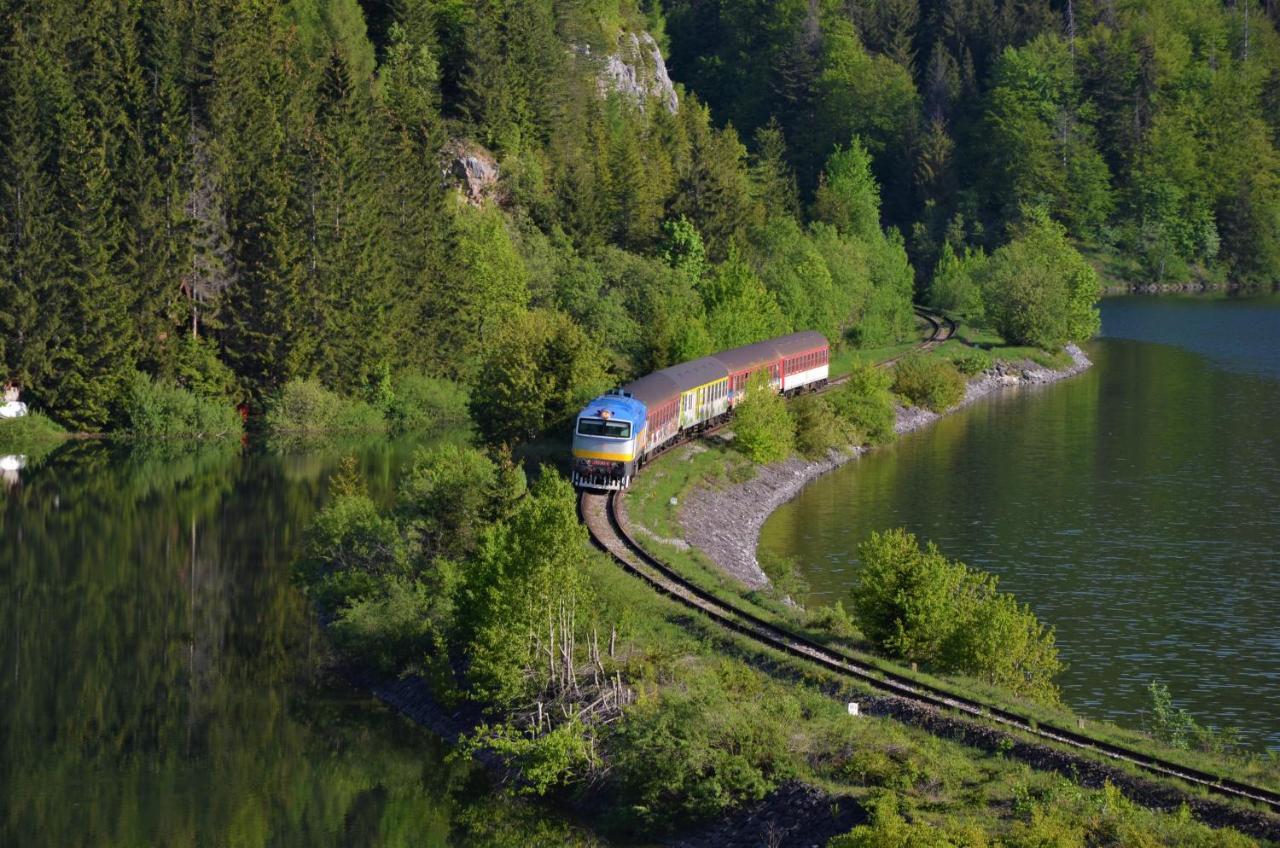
(601, 427)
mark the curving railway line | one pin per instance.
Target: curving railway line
(608, 530)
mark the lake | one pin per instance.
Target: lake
(163, 681)
(1134, 507)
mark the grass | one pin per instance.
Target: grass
(34, 436)
(668, 654)
(678, 472)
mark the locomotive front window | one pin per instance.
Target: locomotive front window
(601, 427)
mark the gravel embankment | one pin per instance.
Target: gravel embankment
(724, 523)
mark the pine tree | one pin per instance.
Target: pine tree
(33, 287)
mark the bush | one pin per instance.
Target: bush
(1039, 290)
(763, 429)
(391, 630)
(971, 361)
(916, 604)
(818, 429)
(161, 409)
(1178, 728)
(417, 402)
(833, 619)
(305, 406)
(928, 381)
(691, 755)
(351, 548)
(866, 406)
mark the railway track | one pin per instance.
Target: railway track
(608, 532)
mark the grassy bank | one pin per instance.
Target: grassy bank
(715, 463)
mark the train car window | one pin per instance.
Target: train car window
(601, 427)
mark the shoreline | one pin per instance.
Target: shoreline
(725, 523)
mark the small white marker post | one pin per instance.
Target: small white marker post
(853, 708)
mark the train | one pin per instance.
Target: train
(617, 432)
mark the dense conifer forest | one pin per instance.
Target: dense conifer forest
(233, 194)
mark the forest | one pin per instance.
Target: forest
(232, 196)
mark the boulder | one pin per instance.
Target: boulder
(475, 171)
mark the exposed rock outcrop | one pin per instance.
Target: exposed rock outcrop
(636, 70)
(474, 169)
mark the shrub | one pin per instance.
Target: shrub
(305, 406)
(350, 546)
(916, 604)
(691, 755)
(391, 630)
(161, 409)
(866, 406)
(1179, 729)
(818, 428)
(1039, 290)
(928, 381)
(417, 402)
(833, 619)
(763, 429)
(30, 434)
(971, 361)
(784, 573)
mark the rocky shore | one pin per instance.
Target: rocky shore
(724, 523)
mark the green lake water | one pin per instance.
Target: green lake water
(161, 678)
(1136, 507)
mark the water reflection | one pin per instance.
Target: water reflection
(162, 680)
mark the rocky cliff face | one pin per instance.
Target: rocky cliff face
(636, 70)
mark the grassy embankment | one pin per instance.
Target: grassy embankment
(714, 463)
(767, 717)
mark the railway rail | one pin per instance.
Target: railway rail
(600, 514)
(608, 532)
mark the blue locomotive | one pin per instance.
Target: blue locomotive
(618, 431)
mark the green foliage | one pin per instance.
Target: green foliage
(763, 429)
(33, 433)
(928, 381)
(159, 409)
(972, 361)
(888, 829)
(834, 619)
(1178, 728)
(956, 284)
(450, 495)
(197, 368)
(867, 406)
(690, 755)
(350, 548)
(525, 583)
(1039, 290)
(390, 630)
(818, 428)
(848, 197)
(546, 761)
(916, 604)
(305, 406)
(538, 370)
(417, 402)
